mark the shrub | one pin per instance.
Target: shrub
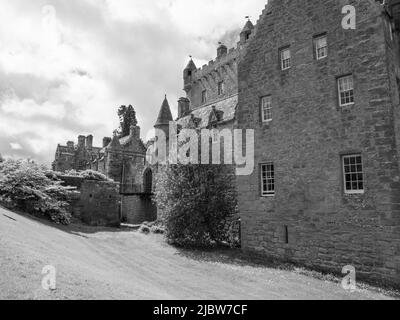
(25, 186)
(194, 202)
(86, 175)
(144, 229)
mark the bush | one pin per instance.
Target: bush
(26, 186)
(86, 175)
(195, 202)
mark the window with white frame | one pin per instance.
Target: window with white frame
(266, 109)
(321, 47)
(353, 174)
(267, 179)
(346, 90)
(286, 58)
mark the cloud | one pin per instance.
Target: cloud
(66, 66)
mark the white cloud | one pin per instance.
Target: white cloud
(64, 72)
(15, 146)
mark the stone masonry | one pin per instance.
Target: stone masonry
(310, 219)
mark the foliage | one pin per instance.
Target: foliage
(26, 186)
(195, 202)
(127, 118)
(86, 175)
(1, 158)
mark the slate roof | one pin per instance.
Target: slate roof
(248, 27)
(225, 108)
(165, 115)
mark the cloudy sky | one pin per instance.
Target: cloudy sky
(67, 65)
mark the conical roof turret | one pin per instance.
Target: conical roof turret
(165, 115)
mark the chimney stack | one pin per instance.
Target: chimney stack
(135, 132)
(183, 107)
(222, 50)
(89, 142)
(81, 141)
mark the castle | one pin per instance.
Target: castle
(324, 101)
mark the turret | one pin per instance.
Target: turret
(246, 32)
(188, 75)
(164, 117)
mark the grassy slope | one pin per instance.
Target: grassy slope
(105, 264)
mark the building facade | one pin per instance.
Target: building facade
(324, 103)
(120, 159)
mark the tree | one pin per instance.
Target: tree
(26, 186)
(1, 158)
(195, 202)
(127, 118)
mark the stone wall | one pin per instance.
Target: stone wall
(99, 204)
(310, 220)
(137, 209)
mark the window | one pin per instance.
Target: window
(267, 180)
(346, 90)
(204, 96)
(321, 47)
(285, 59)
(266, 109)
(221, 88)
(353, 174)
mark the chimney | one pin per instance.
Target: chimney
(70, 144)
(135, 132)
(106, 141)
(81, 141)
(222, 50)
(183, 107)
(89, 142)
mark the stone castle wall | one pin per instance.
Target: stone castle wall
(310, 220)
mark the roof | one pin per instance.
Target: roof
(248, 27)
(225, 108)
(165, 115)
(191, 65)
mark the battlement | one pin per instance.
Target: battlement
(233, 54)
(213, 65)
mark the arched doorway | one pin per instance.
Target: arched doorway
(148, 181)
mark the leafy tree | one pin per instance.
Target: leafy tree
(1, 158)
(195, 202)
(26, 186)
(127, 118)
